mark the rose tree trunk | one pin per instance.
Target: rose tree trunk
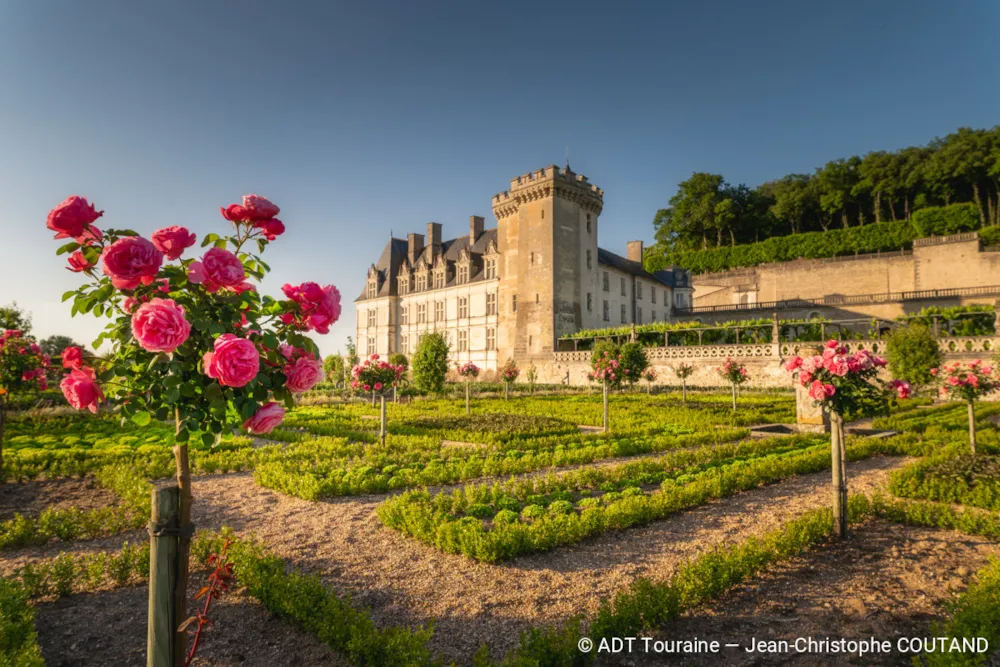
(607, 424)
(838, 456)
(468, 410)
(184, 545)
(972, 427)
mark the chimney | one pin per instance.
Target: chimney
(634, 252)
(434, 237)
(476, 225)
(415, 243)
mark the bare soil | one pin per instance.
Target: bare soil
(30, 498)
(404, 582)
(887, 581)
(109, 628)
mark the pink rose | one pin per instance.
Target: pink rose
(820, 392)
(234, 213)
(72, 357)
(987, 370)
(81, 389)
(130, 304)
(78, 263)
(319, 307)
(259, 208)
(218, 268)
(131, 260)
(831, 344)
(234, 362)
(902, 388)
(91, 235)
(934, 371)
(265, 419)
(160, 325)
(70, 218)
(793, 364)
(836, 365)
(173, 240)
(272, 228)
(303, 374)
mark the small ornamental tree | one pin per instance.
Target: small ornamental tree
(509, 374)
(191, 340)
(378, 377)
(334, 369)
(735, 374)
(531, 375)
(912, 351)
(470, 372)
(634, 362)
(23, 368)
(429, 365)
(399, 359)
(649, 375)
(684, 371)
(607, 368)
(969, 384)
(845, 385)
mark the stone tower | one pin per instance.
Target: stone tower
(547, 225)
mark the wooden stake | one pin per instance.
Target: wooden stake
(606, 419)
(838, 459)
(468, 410)
(381, 432)
(972, 428)
(163, 551)
(184, 545)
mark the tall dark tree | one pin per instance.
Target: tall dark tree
(54, 345)
(13, 316)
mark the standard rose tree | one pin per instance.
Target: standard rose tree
(509, 374)
(683, 372)
(378, 377)
(966, 383)
(649, 375)
(735, 374)
(190, 339)
(470, 372)
(608, 369)
(845, 385)
(23, 368)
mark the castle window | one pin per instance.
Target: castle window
(607, 311)
(531, 342)
(421, 313)
(588, 223)
(531, 258)
(606, 284)
(638, 317)
(439, 311)
(371, 317)
(463, 274)
(590, 302)
(421, 282)
(463, 341)
(589, 261)
(623, 313)
(404, 285)
(491, 269)
(370, 345)
(403, 319)
(438, 279)
(623, 287)
(491, 338)
(404, 346)
(463, 307)
(372, 289)
(666, 298)
(653, 317)
(543, 214)
(638, 290)
(513, 304)
(536, 297)
(491, 303)
(652, 295)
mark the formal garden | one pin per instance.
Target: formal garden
(211, 492)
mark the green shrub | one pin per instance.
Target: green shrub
(912, 352)
(945, 220)
(975, 614)
(18, 639)
(430, 363)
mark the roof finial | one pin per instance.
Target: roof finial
(567, 157)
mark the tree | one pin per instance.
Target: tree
(22, 369)
(531, 375)
(509, 374)
(13, 318)
(608, 368)
(430, 363)
(792, 197)
(399, 359)
(378, 377)
(912, 352)
(844, 385)
(191, 341)
(683, 371)
(835, 184)
(735, 374)
(54, 345)
(633, 361)
(969, 384)
(334, 368)
(470, 372)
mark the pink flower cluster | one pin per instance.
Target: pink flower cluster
(258, 212)
(80, 387)
(966, 383)
(822, 372)
(373, 374)
(13, 342)
(468, 370)
(649, 375)
(318, 307)
(510, 372)
(303, 370)
(607, 368)
(684, 370)
(733, 371)
(217, 269)
(234, 362)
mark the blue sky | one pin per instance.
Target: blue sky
(365, 117)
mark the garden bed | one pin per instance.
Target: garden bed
(31, 497)
(887, 581)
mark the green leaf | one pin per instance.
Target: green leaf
(142, 418)
(69, 247)
(91, 254)
(182, 435)
(156, 359)
(68, 295)
(209, 238)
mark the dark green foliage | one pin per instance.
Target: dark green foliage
(18, 639)
(430, 363)
(964, 480)
(634, 361)
(399, 359)
(912, 352)
(945, 220)
(975, 614)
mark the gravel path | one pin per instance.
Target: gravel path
(403, 582)
(888, 581)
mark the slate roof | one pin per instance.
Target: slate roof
(672, 277)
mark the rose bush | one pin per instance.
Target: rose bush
(23, 368)
(735, 374)
(966, 383)
(190, 340)
(470, 372)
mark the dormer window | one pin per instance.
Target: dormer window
(491, 268)
(422, 282)
(439, 279)
(372, 289)
(404, 284)
(463, 274)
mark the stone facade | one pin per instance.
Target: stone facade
(512, 291)
(944, 271)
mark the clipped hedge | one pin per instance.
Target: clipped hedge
(18, 639)
(945, 220)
